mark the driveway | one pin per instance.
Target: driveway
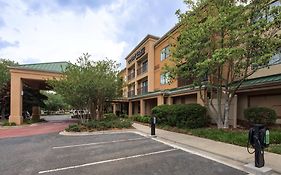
(55, 124)
(106, 154)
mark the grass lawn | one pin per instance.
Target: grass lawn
(236, 137)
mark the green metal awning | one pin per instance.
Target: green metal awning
(262, 80)
(57, 67)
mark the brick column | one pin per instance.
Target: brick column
(170, 100)
(142, 107)
(130, 109)
(35, 113)
(114, 108)
(160, 100)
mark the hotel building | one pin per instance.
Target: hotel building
(146, 85)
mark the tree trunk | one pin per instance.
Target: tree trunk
(219, 122)
(226, 114)
(219, 117)
(93, 111)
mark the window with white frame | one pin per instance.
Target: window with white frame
(164, 78)
(165, 53)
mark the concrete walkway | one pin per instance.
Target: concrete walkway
(231, 154)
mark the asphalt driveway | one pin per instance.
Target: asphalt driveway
(107, 154)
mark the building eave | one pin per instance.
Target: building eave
(149, 36)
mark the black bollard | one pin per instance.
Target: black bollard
(152, 124)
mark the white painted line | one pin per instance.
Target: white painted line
(98, 143)
(106, 161)
(199, 154)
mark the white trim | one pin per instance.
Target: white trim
(98, 143)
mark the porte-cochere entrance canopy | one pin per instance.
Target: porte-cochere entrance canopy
(35, 76)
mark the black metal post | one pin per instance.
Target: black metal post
(153, 123)
(259, 153)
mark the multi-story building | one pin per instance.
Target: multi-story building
(146, 84)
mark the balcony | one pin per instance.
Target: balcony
(142, 70)
(184, 81)
(131, 76)
(142, 90)
(131, 93)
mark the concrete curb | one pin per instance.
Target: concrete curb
(65, 133)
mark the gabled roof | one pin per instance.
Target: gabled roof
(57, 67)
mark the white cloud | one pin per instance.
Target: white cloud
(61, 35)
(47, 31)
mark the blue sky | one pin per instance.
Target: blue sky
(61, 30)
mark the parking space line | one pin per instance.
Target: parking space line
(107, 161)
(99, 143)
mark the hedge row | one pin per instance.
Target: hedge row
(140, 118)
(181, 115)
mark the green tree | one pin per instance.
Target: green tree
(89, 84)
(54, 102)
(5, 84)
(226, 41)
(4, 71)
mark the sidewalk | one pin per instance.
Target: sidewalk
(226, 152)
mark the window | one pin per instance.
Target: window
(164, 78)
(165, 53)
(265, 12)
(276, 59)
(144, 84)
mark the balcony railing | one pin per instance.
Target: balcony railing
(142, 70)
(131, 93)
(131, 76)
(142, 90)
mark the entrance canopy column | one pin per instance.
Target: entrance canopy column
(16, 100)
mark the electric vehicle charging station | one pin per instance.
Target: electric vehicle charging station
(258, 139)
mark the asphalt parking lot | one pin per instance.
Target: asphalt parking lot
(106, 154)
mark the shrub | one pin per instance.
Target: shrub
(140, 118)
(260, 115)
(13, 124)
(97, 125)
(73, 128)
(124, 116)
(7, 123)
(110, 116)
(181, 115)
